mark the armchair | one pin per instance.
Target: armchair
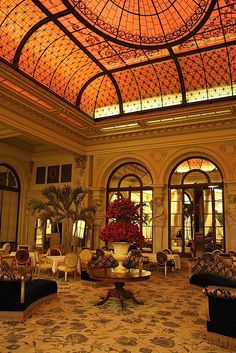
(41, 263)
(134, 259)
(5, 249)
(69, 265)
(163, 262)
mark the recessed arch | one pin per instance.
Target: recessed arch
(133, 181)
(181, 153)
(196, 207)
(10, 189)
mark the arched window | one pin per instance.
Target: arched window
(196, 207)
(134, 182)
(9, 204)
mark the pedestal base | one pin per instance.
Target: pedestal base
(120, 268)
(121, 293)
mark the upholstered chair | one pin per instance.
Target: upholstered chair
(167, 251)
(208, 256)
(41, 264)
(134, 259)
(163, 262)
(232, 252)
(22, 258)
(54, 252)
(85, 256)
(5, 249)
(69, 265)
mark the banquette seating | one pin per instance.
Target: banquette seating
(216, 272)
(212, 270)
(20, 294)
(221, 318)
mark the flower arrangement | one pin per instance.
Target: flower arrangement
(123, 224)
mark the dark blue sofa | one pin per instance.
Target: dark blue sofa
(20, 294)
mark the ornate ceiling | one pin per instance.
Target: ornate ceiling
(111, 58)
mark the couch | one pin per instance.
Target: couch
(20, 294)
(212, 270)
(221, 321)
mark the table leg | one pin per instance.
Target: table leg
(121, 293)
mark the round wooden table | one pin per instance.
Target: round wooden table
(119, 280)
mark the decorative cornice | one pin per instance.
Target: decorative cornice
(168, 130)
(48, 121)
(91, 132)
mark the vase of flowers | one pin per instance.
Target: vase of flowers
(123, 228)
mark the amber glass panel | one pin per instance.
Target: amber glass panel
(195, 177)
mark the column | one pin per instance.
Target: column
(100, 217)
(160, 240)
(230, 216)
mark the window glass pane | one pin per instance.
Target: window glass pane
(200, 221)
(79, 230)
(129, 181)
(195, 177)
(133, 181)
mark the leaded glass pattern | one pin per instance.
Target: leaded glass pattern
(104, 95)
(142, 22)
(199, 166)
(111, 58)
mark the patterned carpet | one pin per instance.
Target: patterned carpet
(172, 320)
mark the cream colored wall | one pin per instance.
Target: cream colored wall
(160, 162)
(20, 161)
(159, 153)
(46, 159)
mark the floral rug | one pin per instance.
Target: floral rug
(172, 320)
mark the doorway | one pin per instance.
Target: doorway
(196, 222)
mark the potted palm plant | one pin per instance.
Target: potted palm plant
(61, 203)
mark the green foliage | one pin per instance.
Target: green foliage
(60, 203)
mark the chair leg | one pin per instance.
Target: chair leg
(165, 270)
(65, 276)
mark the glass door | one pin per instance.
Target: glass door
(196, 218)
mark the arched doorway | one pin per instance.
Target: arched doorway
(196, 218)
(133, 181)
(9, 204)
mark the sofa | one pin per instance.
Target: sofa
(20, 294)
(212, 270)
(221, 320)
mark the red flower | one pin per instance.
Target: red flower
(124, 225)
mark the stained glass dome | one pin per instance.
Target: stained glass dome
(142, 23)
(112, 58)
